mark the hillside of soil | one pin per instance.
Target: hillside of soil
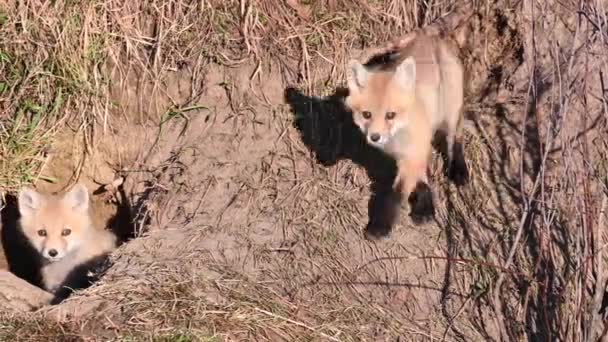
(247, 188)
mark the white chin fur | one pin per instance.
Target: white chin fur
(380, 143)
(55, 259)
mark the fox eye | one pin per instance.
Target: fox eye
(390, 115)
(66, 232)
(366, 114)
(42, 232)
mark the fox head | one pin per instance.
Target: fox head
(55, 225)
(381, 101)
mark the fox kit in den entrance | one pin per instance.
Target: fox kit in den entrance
(399, 106)
(61, 230)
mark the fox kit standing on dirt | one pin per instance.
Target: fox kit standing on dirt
(399, 108)
(61, 230)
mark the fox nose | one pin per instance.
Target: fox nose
(52, 253)
(374, 137)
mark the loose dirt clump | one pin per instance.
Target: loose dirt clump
(247, 188)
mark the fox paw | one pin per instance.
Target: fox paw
(384, 214)
(421, 202)
(377, 231)
(458, 172)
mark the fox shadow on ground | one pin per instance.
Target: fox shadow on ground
(327, 130)
(123, 222)
(25, 262)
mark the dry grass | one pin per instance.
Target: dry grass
(517, 255)
(49, 80)
(54, 57)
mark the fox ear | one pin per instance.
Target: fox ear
(29, 201)
(356, 75)
(78, 198)
(405, 73)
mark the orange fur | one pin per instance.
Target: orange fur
(452, 28)
(61, 230)
(400, 106)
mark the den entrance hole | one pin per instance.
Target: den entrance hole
(113, 208)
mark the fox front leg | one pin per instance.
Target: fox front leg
(412, 183)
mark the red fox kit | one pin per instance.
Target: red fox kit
(61, 230)
(400, 107)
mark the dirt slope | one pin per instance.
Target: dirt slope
(251, 200)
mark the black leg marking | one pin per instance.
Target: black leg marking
(458, 171)
(421, 203)
(385, 213)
